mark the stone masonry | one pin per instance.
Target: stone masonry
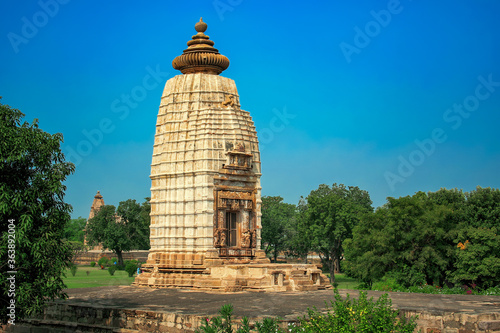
(206, 193)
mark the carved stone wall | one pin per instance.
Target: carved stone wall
(199, 123)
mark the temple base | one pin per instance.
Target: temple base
(210, 273)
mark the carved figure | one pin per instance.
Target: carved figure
(222, 241)
(246, 238)
(216, 238)
(229, 101)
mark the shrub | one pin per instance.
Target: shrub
(349, 315)
(111, 270)
(73, 269)
(131, 267)
(361, 315)
(223, 322)
(103, 261)
(92, 263)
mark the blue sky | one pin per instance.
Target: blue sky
(391, 96)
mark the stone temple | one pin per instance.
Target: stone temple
(206, 193)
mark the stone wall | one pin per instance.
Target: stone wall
(61, 317)
(85, 258)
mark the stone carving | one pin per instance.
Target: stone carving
(228, 101)
(222, 241)
(254, 238)
(246, 238)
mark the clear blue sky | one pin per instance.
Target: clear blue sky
(391, 96)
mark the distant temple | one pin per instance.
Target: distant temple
(206, 193)
(96, 205)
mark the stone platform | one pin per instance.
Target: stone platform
(142, 309)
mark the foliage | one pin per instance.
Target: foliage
(388, 283)
(112, 269)
(343, 315)
(223, 323)
(32, 172)
(131, 267)
(103, 261)
(122, 230)
(77, 247)
(438, 238)
(357, 315)
(277, 216)
(75, 230)
(478, 259)
(330, 216)
(299, 245)
(92, 263)
(73, 269)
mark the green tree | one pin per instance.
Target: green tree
(477, 240)
(75, 230)
(33, 215)
(299, 244)
(330, 216)
(120, 230)
(276, 219)
(411, 237)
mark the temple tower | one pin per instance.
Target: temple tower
(205, 172)
(97, 203)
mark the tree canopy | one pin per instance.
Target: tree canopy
(330, 215)
(33, 214)
(278, 218)
(123, 229)
(75, 230)
(444, 237)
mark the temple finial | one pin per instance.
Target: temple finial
(200, 26)
(201, 56)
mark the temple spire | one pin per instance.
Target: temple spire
(201, 56)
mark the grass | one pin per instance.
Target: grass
(344, 282)
(96, 278)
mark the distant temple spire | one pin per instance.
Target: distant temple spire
(96, 204)
(201, 56)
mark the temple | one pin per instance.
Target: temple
(206, 193)
(97, 203)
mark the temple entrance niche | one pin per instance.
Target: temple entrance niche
(235, 226)
(235, 233)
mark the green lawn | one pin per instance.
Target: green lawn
(96, 278)
(344, 281)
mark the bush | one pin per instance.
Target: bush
(104, 261)
(131, 267)
(361, 315)
(73, 269)
(349, 315)
(112, 270)
(92, 263)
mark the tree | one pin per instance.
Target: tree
(477, 240)
(33, 215)
(122, 230)
(75, 230)
(276, 218)
(299, 243)
(330, 216)
(410, 237)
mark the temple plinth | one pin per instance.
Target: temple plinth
(206, 193)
